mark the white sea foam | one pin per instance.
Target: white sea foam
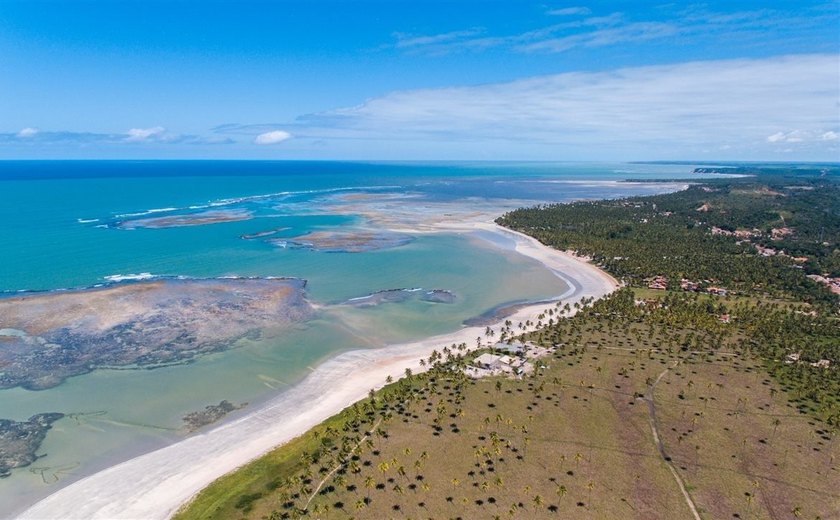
(86, 220)
(250, 198)
(132, 277)
(253, 198)
(147, 212)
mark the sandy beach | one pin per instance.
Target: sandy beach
(155, 485)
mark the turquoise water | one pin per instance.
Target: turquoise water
(60, 227)
(45, 246)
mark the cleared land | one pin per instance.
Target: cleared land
(574, 441)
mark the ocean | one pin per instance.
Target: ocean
(356, 232)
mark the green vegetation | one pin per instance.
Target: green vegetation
(651, 404)
(672, 235)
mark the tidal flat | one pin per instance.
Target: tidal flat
(49, 337)
(202, 218)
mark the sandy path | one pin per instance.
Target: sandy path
(154, 485)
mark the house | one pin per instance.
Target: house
(505, 360)
(832, 283)
(743, 233)
(720, 291)
(487, 361)
(766, 251)
(780, 233)
(488, 364)
(720, 231)
(688, 285)
(659, 283)
(515, 348)
(792, 358)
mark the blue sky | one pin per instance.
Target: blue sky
(398, 79)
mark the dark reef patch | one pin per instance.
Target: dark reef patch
(401, 295)
(48, 337)
(20, 440)
(187, 219)
(211, 413)
(346, 241)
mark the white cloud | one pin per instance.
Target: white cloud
(408, 41)
(144, 134)
(801, 136)
(156, 135)
(678, 109)
(675, 22)
(569, 11)
(273, 137)
(633, 32)
(27, 132)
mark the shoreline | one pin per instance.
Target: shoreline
(155, 485)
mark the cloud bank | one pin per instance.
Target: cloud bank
(744, 106)
(777, 108)
(134, 136)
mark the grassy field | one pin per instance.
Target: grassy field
(573, 441)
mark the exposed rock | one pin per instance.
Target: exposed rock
(189, 219)
(346, 241)
(401, 295)
(211, 413)
(19, 441)
(49, 337)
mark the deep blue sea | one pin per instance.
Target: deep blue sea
(78, 224)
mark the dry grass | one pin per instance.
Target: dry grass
(572, 442)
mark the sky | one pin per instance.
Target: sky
(420, 80)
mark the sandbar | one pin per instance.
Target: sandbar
(189, 219)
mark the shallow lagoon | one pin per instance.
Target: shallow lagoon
(115, 414)
(125, 412)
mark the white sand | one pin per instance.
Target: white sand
(155, 485)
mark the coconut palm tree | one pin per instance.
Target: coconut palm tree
(370, 483)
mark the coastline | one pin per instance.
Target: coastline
(156, 484)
